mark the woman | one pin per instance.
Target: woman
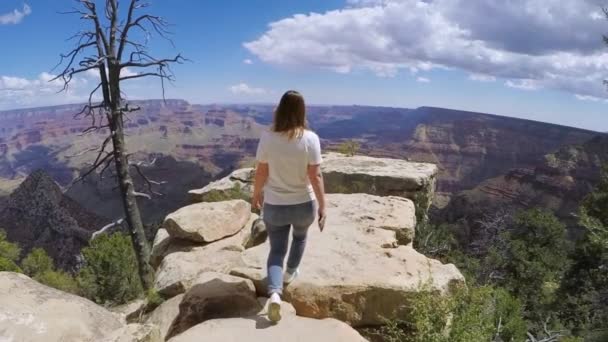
(288, 173)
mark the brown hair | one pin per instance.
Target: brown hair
(290, 115)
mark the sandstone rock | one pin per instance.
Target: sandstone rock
(215, 295)
(355, 270)
(134, 333)
(164, 315)
(259, 329)
(30, 311)
(239, 185)
(381, 176)
(208, 222)
(159, 247)
(182, 261)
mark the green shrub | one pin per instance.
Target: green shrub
(37, 262)
(7, 265)
(8, 250)
(110, 274)
(349, 148)
(40, 267)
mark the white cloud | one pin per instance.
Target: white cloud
(482, 78)
(248, 61)
(245, 89)
(528, 43)
(16, 16)
(587, 98)
(528, 85)
(423, 80)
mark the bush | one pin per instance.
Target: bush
(349, 148)
(37, 262)
(110, 274)
(8, 250)
(474, 314)
(7, 265)
(40, 267)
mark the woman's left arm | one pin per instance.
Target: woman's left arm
(261, 176)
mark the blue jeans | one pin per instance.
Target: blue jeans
(279, 219)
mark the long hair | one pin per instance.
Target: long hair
(290, 115)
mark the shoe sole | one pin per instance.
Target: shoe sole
(274, 312)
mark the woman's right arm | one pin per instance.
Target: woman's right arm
(316, 180)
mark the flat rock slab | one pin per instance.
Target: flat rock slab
(257, 328)
(134, 333)
(30, 311)
(392, 175)
(356, 271)
(208, 222)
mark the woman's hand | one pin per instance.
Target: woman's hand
(257, 201)
(322, 216)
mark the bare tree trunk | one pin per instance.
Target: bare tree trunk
(133, 217)
(106, 42)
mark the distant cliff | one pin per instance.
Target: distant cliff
(558, 181)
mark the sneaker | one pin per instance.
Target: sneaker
(290, 276)
(274, 308)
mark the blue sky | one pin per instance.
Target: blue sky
(537, 59)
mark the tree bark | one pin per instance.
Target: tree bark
(132, 214)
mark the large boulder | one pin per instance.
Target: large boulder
(356, 270)
(257, 328)
(162, 240)
(215, 295)
(183, 261)
(165, 314)
(30, 311)
(208, 222)
(382, 177)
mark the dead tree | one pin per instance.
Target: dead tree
(108, 48)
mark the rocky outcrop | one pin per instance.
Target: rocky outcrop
(37, 214)
(361, 270)
(357, 271)
(33, 312)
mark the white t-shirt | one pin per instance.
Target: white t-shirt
(288, 162)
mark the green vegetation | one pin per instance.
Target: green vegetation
(349, 148)
(110, 275)
(524, 274)
(40, 267)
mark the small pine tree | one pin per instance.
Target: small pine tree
(109, 274)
